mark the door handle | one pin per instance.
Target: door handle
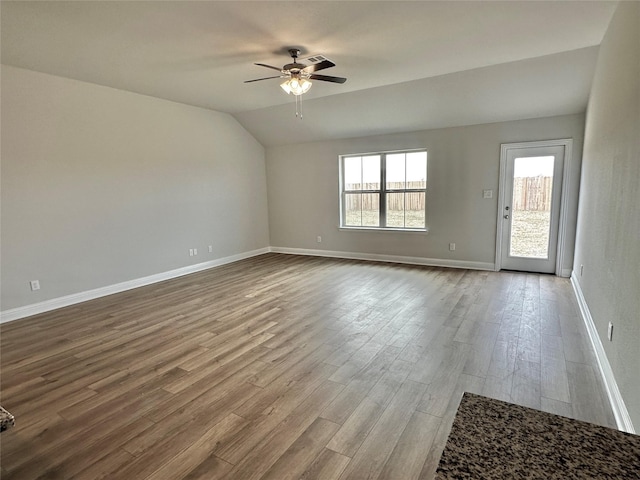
(506, 216)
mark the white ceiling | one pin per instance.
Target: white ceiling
(410, 65)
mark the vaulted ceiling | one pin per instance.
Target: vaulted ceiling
(410, 65)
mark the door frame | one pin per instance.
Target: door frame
(567, 143)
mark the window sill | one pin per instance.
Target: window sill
(423, 231)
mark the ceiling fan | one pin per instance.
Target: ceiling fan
(299, 75)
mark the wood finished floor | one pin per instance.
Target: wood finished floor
(286, 367)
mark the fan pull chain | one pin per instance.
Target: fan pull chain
(299, 106)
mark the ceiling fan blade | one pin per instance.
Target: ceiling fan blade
(265, 78)
(268, 66)
(327, 78)
(319, 66)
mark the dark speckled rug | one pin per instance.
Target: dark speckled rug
(491, 439)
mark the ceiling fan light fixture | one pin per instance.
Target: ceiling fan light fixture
(296, 85)
(299, 75)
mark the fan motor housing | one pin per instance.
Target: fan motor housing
(293, 67)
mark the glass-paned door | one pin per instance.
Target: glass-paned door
(530, 209)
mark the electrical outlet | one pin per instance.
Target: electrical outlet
(195, 251)
(191, 252)
(35, 285)
(610, 332)
(452, 246)
(210, 248)
(319, 239)
(487, 194)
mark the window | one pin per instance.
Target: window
(384, 190)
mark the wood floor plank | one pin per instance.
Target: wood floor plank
(357, 362)
(252, 462)
(440, 390)
(479, 358)
(526, 387)
(588, 400)
(28, 464)
(285, 366)
(217, 360)
(329, 465)
(410, 453)
(225, 379)
(70, 463)
(503, 357)
(103, 467)
(554, 381)
(355, 429)
(433, 456)
(212, 468)
(556, 407)
(301, 454)
(370, 459)
(499, 388)
(384, 390)
(203, 411)
(351, 346)
(284, 394)
(360, 385)
(167, 448)
(196, 453)
(260, 427)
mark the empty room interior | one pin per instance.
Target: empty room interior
(320, 240)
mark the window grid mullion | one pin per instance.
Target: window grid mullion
(417, 190)
(361, 189)
(383, 190)
(404, 195)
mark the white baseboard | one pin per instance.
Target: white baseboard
(431, 262)
(623, 420)
(55, 303)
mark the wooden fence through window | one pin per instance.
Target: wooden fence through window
(532, 193)
(529, 193)
(395, 201)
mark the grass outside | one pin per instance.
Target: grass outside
(530, 233)
(395, 218)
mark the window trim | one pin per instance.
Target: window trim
(382, 192)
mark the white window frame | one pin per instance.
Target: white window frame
(382, 192)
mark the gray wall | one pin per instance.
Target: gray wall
(101, 186)
(304, 200)
(608, 235)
